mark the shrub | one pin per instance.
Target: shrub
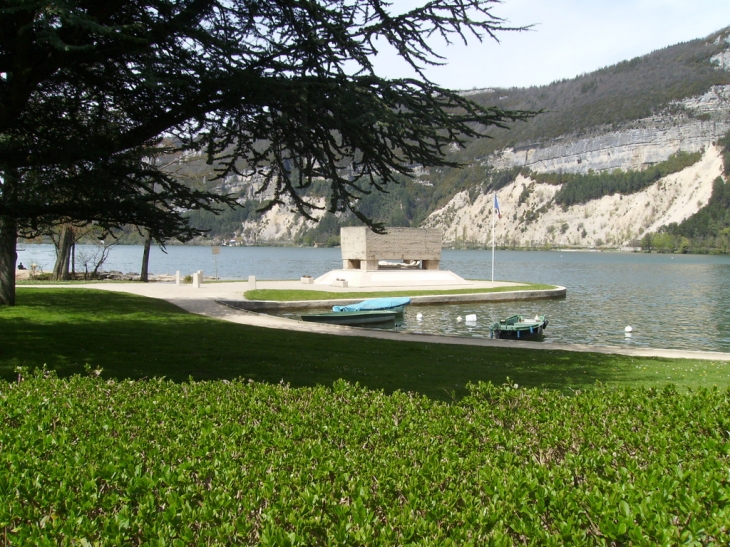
(91, 461)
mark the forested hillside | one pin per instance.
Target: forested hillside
(622, 97)
(706, 231)
(615, 95)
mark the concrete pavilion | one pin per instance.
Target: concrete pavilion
(402, 257)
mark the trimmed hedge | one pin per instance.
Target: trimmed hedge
(87, 461)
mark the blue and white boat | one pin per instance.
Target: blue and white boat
(396, 304)
(371, 311)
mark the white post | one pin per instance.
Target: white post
(493, 224)
(177, 278)
(252, 282)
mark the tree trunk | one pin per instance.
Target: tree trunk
(8, 258)
(63, 256)
(104, 256)
(143, 275)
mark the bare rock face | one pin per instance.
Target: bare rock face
(692, 125)
(646, 142)
(722, 59)
(530, 219)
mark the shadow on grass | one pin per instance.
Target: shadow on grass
(136, 337)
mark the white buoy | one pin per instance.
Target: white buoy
(629, 329)
(458, 319)
(419, 316)
(472, 317)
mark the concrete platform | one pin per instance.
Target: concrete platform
(517, 294)
(377, 279)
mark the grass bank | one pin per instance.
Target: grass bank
(281, 295)
(136, 337)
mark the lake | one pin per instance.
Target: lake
(671, 301)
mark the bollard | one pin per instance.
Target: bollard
(196, 280)
(252, 282)
(177, 278)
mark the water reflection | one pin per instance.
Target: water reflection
(680, 302)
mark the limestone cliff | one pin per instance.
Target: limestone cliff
(645, 142)
(691, 125)
(612, 220)
(530, 218)
(280, 224)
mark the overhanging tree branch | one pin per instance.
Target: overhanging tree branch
(285, 87)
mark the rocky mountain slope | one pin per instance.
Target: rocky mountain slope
(644, 142)
(614, 221)
(530, 216)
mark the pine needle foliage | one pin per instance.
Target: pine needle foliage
(283, 88)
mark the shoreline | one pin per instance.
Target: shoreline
(205, 301)
(287, 245)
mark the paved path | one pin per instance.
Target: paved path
(202, 301)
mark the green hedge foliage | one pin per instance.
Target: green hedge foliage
(87, 461)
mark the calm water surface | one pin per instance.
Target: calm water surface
(678, 301)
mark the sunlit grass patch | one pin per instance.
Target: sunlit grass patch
(135, 337)
(284, 295)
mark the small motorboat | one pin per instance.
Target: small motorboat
(519, 327)
(366, 317)
(396, 304)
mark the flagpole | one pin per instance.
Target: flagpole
(493, 213)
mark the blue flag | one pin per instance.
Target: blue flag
(496, 206)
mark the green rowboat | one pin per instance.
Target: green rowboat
(519, 327)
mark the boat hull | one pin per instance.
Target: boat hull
(396, 304)
(352, 317)
(519, 328)
(520, 334)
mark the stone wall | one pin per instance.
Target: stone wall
(362, 248)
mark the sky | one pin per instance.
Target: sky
(569, 38)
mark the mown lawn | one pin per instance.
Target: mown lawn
(288, 295)
(136, 337)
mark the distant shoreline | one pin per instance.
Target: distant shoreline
(628, 250)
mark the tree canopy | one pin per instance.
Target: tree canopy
(88, 89)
